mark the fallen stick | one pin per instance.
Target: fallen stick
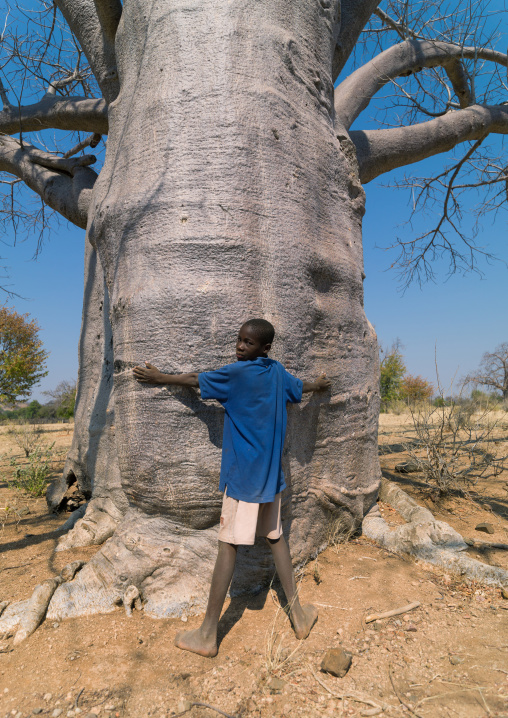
(406, 705)
(395, 612)
(352, 695)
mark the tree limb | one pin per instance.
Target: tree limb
(353, 95)
(59, 113)
(354, 15)
(63, 184)
(380, 151)
(83, 20)
(109, 12)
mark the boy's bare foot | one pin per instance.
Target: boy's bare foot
(196, 642)
(304, 621)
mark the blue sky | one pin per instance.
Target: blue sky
(460, 317)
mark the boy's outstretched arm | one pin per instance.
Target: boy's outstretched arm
(149, 374)
(321, 384)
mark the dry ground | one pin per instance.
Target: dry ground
(447, 658)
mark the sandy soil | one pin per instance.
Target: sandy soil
(449, 657)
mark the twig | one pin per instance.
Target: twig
(394, 612)
(78, 697)
(354, 696)
(398, 696)
(328, 605)
(353, 578)
(205, 705)
(487, 709)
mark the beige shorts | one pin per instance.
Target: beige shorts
(241, 522)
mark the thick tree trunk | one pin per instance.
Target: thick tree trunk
(92, 460)
(226, 194)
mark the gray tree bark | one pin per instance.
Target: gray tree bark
(227, 192)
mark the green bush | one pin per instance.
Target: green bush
(33, 478)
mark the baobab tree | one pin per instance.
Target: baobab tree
(493, 371)
(232, 186)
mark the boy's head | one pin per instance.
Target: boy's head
(254, 339)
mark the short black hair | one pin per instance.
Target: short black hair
(263, 330)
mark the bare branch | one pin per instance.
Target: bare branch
(402, 30)
(380, 151)
(90, 141)
(73, 113)
(354, 15)
(63, 184)
(109, 12)
(84, 22)
(458, 77)
(353, 95)
(3, 95)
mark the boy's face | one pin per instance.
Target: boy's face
(248, 346)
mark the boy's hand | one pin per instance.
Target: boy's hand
(148, 374)
(322, 383)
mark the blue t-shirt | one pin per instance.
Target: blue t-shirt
(254, 395)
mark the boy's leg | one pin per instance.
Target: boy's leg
(203, 640)
(302, 617)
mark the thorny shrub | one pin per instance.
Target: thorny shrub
(27, 436)
(33, 477)
(455, 445)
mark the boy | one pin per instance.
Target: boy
(254, 392)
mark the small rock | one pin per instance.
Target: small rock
(36, 711)
(56, 713)
(56, 625)
(276, 685)
(110, 706)
(95, 710)
(5, 647)
(47, 697)
(337, 662)
(455, 660)
(184, 618)
(504, 592)
(70, 714)
(183, 706)
(6, 690)
(90, 715)
(412, 628)
(407, 467)
(486, 528)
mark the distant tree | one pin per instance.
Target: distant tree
(32, 410)
(64, 398)
(493, 370)
(22, 358)
(392, 373)
(416, 388)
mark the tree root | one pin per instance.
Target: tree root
(36, 609)
(168, 564)
(97, 525)
(3, 606)
(24, 617)
(132, 598)
(74, 518)
(426, 538)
